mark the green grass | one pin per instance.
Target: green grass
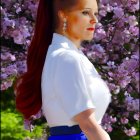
(12, 122)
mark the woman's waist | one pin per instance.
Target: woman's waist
(65, 130)
(55, 119)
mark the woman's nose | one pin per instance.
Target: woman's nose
(94, 20)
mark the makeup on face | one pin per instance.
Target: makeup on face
(90, 29)
(90, 12)
(93, 15)
(82, 20)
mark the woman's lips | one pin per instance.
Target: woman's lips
(90, 29)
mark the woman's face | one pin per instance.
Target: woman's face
(81, 20)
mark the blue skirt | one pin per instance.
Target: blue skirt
(80, 136)
(66, 133)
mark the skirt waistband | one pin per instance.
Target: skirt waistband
(65, 130)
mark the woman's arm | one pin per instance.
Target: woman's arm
(90, 127)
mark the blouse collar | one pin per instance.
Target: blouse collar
(64, 41)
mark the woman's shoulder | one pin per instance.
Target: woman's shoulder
(64, 54)
(69, 56)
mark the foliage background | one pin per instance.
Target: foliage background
(114, 52)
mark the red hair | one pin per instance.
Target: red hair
(28, 86)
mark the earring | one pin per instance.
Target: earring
(64, 25)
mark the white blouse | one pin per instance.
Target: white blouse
(70, 84)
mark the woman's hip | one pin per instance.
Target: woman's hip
(66, 133)
(80, 136)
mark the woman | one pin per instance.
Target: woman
(60, 79)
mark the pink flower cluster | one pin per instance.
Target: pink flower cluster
(114, 52)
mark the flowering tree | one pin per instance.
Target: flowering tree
(18, 18)
(114, 52)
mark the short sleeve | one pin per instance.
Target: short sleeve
(70, 85)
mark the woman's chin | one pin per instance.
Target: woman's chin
(88, 38)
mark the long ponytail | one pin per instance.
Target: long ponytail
(28, 86)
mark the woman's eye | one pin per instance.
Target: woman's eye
(85, 13)
(96, 14)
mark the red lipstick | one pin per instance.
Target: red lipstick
(90, 29)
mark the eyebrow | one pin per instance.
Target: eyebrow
(90, 9)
